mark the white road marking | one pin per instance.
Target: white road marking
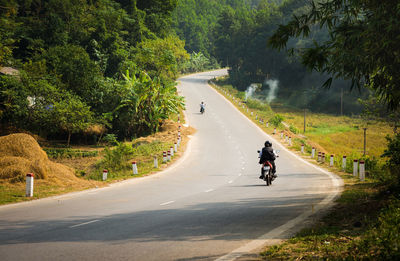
(166, 203)
(240, 174)
(231, 181)
(208, 190)
(78, 225)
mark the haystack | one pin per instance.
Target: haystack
(21, 154)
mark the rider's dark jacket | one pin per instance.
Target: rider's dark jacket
(267, 153)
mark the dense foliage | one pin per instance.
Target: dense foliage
(362, 45)
(83, 63)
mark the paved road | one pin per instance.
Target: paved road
(211, 205)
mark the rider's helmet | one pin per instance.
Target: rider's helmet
(268, 143)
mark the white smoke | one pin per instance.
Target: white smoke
(250, 91)
(273, 87)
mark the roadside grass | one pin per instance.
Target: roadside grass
(341, 233)
(15, 192)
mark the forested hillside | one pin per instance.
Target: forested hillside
(236, 34)
(88, 67)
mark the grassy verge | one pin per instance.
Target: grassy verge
(363, 224)
(365, 221)
(88, 163)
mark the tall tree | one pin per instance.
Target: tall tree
(363, 44)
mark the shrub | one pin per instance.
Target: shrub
(257, 105)
(111, 139)
(116, 159)
(276, 120)
(393, 153)
(383, 241)
(293, 129)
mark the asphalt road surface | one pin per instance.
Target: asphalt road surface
(209, 205)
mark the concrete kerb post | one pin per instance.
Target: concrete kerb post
(134, 168)
(355, 168)
(171, 149)
(168, 155)
(175, 147)
(362, 170)
(312, 152)
(165, 157)
(319, 156)
(29, 184)
(331, 161)
(105, 174)
(155, 161)
(302, 148)
(344, 163)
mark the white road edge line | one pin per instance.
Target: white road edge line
(337, 186)
(231, 181)
(167, 203)
(82, 224)
(208, 190)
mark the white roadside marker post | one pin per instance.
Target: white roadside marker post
(302, 148)
(274, 131)
(168, 155)
(362, 170)
(29, 184)
(155, 162)
(134, 168)
(331, 161)
(312, 152)
(290, 141)
(319, 156)
(105, 174)
(323, 157)
(175, 147)
(171, 149)
(344, 163)
(165, 157)
(355, 168)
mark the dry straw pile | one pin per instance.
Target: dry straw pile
(21, 154)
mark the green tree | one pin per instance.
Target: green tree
(71, 115)
(360, 47)
(146, 103)
(161, 57)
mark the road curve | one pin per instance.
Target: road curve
(209, 206)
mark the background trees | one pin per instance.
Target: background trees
(362, 45)
(72, 56)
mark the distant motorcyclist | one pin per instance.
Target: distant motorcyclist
(202, 107)
(267, 154)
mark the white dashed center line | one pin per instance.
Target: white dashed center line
(78, 225)
(167, 203)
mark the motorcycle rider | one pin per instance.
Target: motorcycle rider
(267, 154)
(202, 107)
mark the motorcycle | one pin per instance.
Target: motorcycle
(266, 169)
